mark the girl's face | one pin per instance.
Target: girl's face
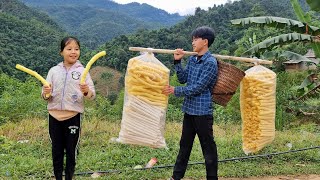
(70, 53)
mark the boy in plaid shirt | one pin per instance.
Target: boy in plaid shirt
(200, 75)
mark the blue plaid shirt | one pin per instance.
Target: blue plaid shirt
(200, 76)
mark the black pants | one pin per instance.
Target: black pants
(202, 126)
(64, 137)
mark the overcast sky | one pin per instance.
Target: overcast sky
(183, 7)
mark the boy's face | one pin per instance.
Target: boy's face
(199, 44)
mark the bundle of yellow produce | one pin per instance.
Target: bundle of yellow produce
(258, 108)
(144, 109)
(147, 80)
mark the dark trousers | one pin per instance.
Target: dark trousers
(64, 137)
(202, 126)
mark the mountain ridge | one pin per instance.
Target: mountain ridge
(117, 19)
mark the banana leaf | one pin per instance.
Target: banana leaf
(294, 56)
(278, 22)
(314, 5)
(316, 48)
(303, 17)
(307, 86)
(279, 40)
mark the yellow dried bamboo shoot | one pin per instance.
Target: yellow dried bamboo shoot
(89, 64)
(147, 80)
(150, 97)
(257, 103)
(35, 74)
(153, 76)
(161, 104)
(155, 92)
(141, 81)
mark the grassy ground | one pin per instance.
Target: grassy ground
(280, 177)
(32, 159)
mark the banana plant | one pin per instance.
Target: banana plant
(279, 40)
(302, 31)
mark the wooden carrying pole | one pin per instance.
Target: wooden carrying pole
(223, 57)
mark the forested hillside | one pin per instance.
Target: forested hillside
(217, 17)
(27, 37)
(98, 21)
(31, 38)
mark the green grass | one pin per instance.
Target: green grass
(32, 160)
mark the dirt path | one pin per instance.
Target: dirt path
(291, 177)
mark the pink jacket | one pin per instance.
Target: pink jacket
(66, 94)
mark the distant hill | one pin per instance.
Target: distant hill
(31, 38)
(107, 80)
(217, 17)
(27, 37)
(98, 21)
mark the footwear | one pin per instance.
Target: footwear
(170, 178)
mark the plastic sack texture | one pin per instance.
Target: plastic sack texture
(144, 109)
(258, 108)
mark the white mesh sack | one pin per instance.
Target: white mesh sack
(144, 108)
(258, 108)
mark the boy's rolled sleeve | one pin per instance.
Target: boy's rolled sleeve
(178, 91)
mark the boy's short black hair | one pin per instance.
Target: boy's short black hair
(204, 32)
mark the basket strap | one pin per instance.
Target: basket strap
(227, 93)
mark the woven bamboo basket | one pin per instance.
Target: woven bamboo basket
(229, 78)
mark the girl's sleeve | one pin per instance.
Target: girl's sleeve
(92, 92)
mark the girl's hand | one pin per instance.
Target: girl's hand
(178, 54)
(84, 88)
(47, 89)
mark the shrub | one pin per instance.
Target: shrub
(20, 100)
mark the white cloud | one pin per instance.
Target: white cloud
(183, 7)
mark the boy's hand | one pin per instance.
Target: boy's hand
(178, 54)
(167, 90)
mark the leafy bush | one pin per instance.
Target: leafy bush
(112, 97)
(174, 113)
(286, 89)
(5, 145)
(106, 76)
(173, 100)
(118, 105)
(103, 109)
(19, 100)
(99, 108)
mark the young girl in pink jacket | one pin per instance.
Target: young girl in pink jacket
(65, 105)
